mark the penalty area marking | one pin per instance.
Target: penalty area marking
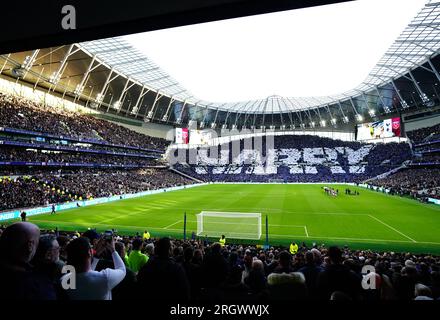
(394, 229)
(173, 224)
(307, 233)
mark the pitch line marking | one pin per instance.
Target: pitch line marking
(352, 239)
(270, 235)
(173, 224)
(394, 229)
(307, 233)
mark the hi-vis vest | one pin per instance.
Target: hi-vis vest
(222, 242)
(293, 248)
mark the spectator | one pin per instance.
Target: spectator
(215, 268)
(311, 272)
(161, 277)
(47, 258)
(90, 284)
(422, 292)
(126, 289)
(136, 259)
(256, 280)
(284, 263)
(286, 286)
(18, 244)
(337, 277)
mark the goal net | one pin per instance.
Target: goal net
(236, 225)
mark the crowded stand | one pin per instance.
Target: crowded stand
(293, 158)
(424, 135)
(148, 268)
(45, 189)
(428, 157)
(22, 155)
(414, 182)
(420, 178)
(64, 145)
(20, 113)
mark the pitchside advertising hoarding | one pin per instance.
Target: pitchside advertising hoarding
(182, 136)
(387, 128)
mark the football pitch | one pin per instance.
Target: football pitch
(296, 212)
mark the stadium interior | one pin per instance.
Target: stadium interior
(98, 142)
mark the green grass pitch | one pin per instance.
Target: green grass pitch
(296, 212)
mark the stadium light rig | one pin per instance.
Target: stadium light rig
(134, 110)
(117, 105)
(213, 125)
(371, 112)
(27, 63)
(312, 124)
(424, 98)
(359, 118)
(54, 78)
(345, 119)
(99, 97)
(404, 104)
(78, 90)
(323, 123)
(333, 121)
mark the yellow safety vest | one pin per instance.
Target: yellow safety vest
(222, 242)
(293, 248)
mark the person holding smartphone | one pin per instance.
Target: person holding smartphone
(88, 283)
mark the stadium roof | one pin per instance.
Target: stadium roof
(129, 61)
(419, 40)
(112, 77)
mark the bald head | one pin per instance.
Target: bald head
(19, 242)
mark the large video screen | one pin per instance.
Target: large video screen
(200, 136)
(379, 129)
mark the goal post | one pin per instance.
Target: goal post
(235, 225)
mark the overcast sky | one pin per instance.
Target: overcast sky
(308, 52)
